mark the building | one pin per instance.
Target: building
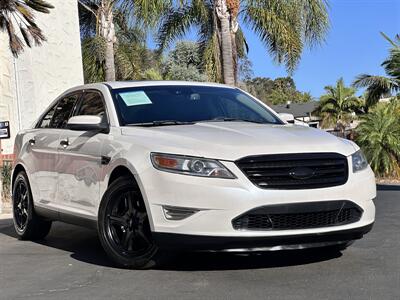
(302, 112)
(29, 83)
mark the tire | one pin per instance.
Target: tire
(27, 224)
(124, 228)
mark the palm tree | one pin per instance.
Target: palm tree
(131, 56)
(285, 27)
(99, 18)
(133, 59)
(379, 137)
(19, 13)
(338, 105)
(379, 86)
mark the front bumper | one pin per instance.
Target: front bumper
(219, 201)
(207, 243)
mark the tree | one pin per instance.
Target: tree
(278, 91)
(245, 69)
(19, 13)
(133, 60)
(98, 19)
(184, 63)
(379, 86)
(338, 105)
(284, 27)
(379, 137)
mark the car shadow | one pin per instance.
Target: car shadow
(388, 187)
(223, 261)
(82, 243)
(84, 246)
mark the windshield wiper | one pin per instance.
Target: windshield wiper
(223, 119)
(161, 123)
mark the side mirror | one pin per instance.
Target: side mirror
(288, 118)
(86, 123)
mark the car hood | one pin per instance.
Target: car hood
(234, 140)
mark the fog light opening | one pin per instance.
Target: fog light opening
(178, 213)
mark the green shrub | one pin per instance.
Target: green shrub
(379, 137)
(5, 173)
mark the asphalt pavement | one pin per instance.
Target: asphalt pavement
(70, 264)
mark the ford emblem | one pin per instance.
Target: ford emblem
(301, 173)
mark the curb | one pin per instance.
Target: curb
(5, 209)
(5, 216)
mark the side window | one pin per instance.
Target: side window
(92, 104)
(63, 111)
(45, 122)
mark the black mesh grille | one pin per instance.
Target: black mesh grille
(299, 216)
(295, 171)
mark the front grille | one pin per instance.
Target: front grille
(295, 171)
(299, 216)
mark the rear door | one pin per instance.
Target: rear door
(43, 146)
(79, 162)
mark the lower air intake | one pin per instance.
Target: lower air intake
(299, 216)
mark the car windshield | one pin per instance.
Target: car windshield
(179, 105)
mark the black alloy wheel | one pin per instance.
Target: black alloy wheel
(127, 224)
(28, 225)
(124, 227)
(21, 206)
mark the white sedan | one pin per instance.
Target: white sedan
(181, 165)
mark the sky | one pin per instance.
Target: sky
(353, 46)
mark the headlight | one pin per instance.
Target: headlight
(359, 161)
(188, 165)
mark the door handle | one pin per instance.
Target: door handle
(32, 141)
(64, 143)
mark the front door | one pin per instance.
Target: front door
(79, 162)
(43, 145)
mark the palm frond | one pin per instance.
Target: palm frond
(175, 25)
(377, 86)
(285, 27)
(241, 43)
(278, 29)
(39, 5)
(392, 63)
(16, 45)
(88, 13)
(93, 56)
(146, 12)
(177, 22)
(393, 43)
(17, 19)
(316, 21)
(212, 59)
(365, 80)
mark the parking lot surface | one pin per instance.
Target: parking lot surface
(70, 264)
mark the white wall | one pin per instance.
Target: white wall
(8, 111)
(42, 73)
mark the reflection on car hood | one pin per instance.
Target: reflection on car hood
(233, 140)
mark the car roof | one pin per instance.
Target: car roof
(139, 83)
